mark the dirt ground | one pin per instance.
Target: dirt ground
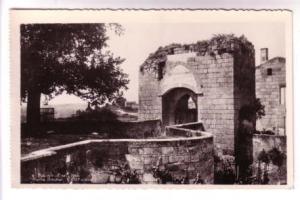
(31, 144)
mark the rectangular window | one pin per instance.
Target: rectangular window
(269, 71)
(160, 70)
(282, 94)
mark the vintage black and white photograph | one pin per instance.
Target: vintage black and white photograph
(154, 102)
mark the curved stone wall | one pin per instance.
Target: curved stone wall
(179, 156)
(106, 161)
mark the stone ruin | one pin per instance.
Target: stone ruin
(209, 81)
(196, 101)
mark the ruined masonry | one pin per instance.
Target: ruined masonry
(208, 81)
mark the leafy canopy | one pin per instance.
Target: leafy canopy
(71, 58)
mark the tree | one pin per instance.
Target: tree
(71, 58)
(255, 109)
(259, 109)
(120, 101)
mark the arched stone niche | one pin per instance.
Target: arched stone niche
(175, 106)
(179, 77)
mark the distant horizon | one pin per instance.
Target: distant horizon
(80, 102)
(139, 40)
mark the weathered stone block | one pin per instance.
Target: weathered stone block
(167, 150)
(149, 179)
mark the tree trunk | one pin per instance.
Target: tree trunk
(33, 112)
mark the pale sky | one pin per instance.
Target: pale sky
(139, 40)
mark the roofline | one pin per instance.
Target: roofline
(270, 60)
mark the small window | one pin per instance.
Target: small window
(160, 70)
(282, 94)
(269, 71)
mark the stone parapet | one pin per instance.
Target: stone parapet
(101, 161)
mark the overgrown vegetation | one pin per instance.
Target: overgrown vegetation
(217, 45)
(265, 158)
(224, 169)
(164, 176)
(259, 109)
(274, 155)
(256, 109)
(101, 114)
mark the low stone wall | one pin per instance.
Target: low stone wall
(142, 129)
(185, 130)
(180, 157)
(111, 129)
(109, 161)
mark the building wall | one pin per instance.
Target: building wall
(219, 94)
(268, 91)
(96, 161)
(216, 105)
(149, 100)
(175, 157)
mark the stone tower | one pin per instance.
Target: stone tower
(208, 81)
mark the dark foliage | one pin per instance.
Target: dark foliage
(103, 115)
(256, 109)
(96, 157)
(71, 58)
(224, 172)
(265, 132)
(120, 101)
(259, 109)
(263, 157)
(274, 155)
(164, 175)
(277, 157)
(124, 175)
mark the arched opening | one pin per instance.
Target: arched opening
(179, 106)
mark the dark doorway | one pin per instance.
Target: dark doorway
(179, 106)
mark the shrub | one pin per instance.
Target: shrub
(101, 114)
(263, 157)
(277, 157)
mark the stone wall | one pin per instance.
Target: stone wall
(81, 162)
(149, 101)
(268, 91)
(101, 161)
(111, 129)
(142, 129)
(180, 157)
(216, 106)
(213, 79)
(185, 130)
